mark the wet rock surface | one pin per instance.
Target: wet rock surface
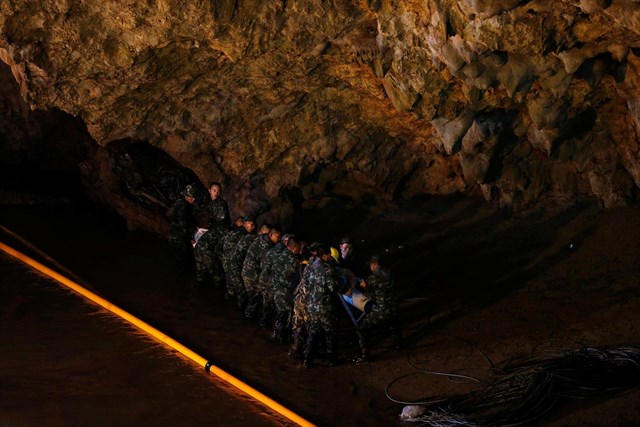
(306, 104)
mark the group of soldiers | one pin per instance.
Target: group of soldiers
(279, 279)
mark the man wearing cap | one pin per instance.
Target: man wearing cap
(380, 289)
(266, 276)
(322, 285)
(284, 278)
(267, 237)
(181, 229)
(300, 315)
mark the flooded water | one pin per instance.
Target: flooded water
(81, 367)
(68, 363)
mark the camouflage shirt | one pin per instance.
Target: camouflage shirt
(381, 290)
(228, 242)
(253, 259)
(240, 251)
(266, 266)
(283, 279)
(321, 286)
(219, 218)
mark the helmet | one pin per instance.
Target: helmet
(189, 191)
(335, 254)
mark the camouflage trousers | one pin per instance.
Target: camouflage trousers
(235, 283)
(208, 267)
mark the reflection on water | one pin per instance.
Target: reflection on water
(67, 362)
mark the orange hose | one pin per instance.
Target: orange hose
(225, 376)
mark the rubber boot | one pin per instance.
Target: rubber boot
(296, 347)
(309, 351)
(331, 351)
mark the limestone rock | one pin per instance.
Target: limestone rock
(304, 103)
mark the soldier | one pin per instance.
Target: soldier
(251, 266)
(322, 286)
(219, 219)
(236, 259)
(380, 289)
(284, 277)
(224, 249)
(181, 229)
(300, 315)
(207, 261)
(266, 274)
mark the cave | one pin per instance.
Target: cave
(487, 152)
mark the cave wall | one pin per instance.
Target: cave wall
(299, 104)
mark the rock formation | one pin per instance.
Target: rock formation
(312, 104)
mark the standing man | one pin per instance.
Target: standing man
(266, 277)
(322, 285)
(208, 267)
(181, 229)
(380, 289)
(252, 263)
(219, 219)
(236, 261)
(224, 249)
(284, 278)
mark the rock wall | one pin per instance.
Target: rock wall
(301, 104)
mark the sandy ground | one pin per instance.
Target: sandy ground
(476, 286)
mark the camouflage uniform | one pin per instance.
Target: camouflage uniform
(251, 271)
(235, 267)
(322, 286)
(283, 278)
(300, 317)
(207, 261)
(219, 218)
(381, 290)
(181, 230)
(224, 249)
(264, 281)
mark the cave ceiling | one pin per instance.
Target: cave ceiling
(521, 102)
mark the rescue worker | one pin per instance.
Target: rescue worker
(322, 287)
(181, 229)
(266, 275)
(219, 218)
(380, 289)
(300, 315)
(251, 266)
(284, 277)
(236, 259)
(208, 265)
(224, 249)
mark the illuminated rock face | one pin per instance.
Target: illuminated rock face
(298, 104)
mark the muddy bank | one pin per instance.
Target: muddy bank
(476, 285)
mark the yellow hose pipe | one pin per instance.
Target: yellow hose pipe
(209, 367)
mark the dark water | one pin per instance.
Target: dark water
(134, 270)
(68, 363)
